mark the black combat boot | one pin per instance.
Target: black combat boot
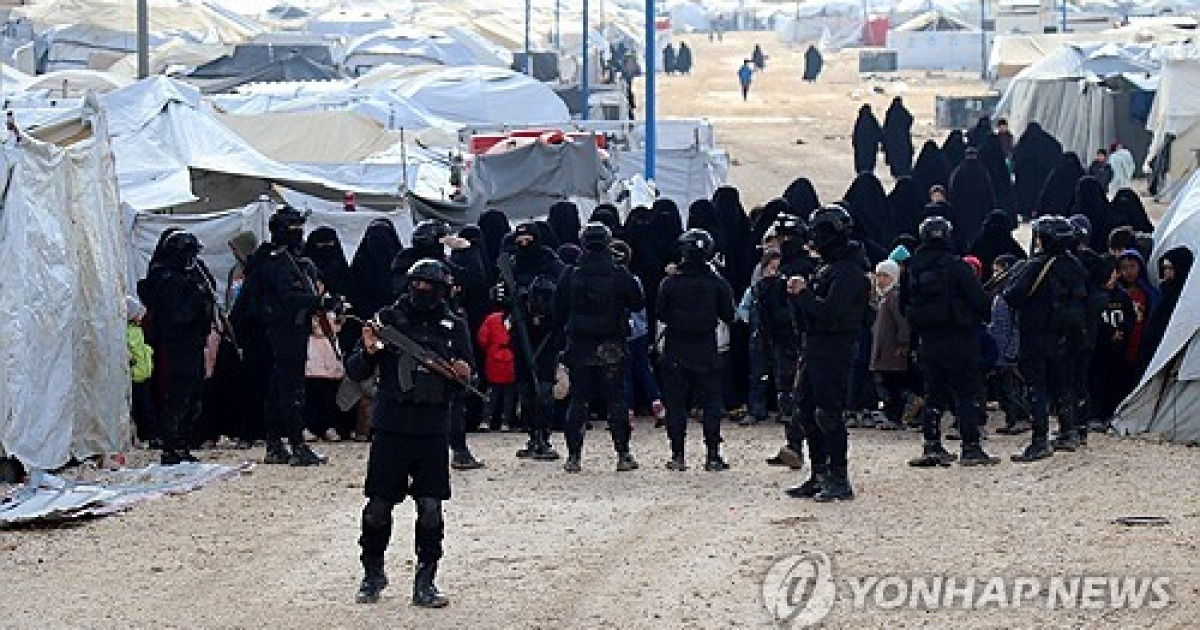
(425, 594)
(302, 455)
(677, 463)
(626, 462)
(837, 487)
(714, 462)
(531, 449)
(974, 455)
(1065, 440)
(544, 451)
(277, 453)
(1039, 449)
(932, 456)
(373, 583)
(170, 458)
(464, 460)
(572, 465)
(810, 488)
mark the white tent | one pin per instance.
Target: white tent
(689, 17)
(412, 47)
(1167, 401)
(835, 23)
(483, 95)
(1175, 116)
(74, 83)
(64, 372)
(935, 41)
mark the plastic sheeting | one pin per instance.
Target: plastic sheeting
(682, 175)
(480, 95)
(524, 181)
(216, 229)
(64, 371)
(1167, 401)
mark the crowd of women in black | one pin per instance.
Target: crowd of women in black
(768, 256)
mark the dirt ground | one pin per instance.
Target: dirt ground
(531, 547)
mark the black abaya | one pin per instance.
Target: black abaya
(564, 222)
(867, 204)
(868, 135)
(897, 138)
(907, 204)
(1058, 193)
(955, 149)
(802, 197)
(971, 196)
(932, 169)
(1034, 158)
(994, 240)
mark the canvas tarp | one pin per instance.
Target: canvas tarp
(525, 179)
(683, 175)
(482, 94)
(1176, 112)
(64, 371)
(332, 137)
(1167, 401)
(216, 229)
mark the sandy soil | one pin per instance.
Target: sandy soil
(531, 547)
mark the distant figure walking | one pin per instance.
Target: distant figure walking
(745, 73)
(759, 59)
(683, 59)
(867, 137)
(670, 60)
(813, 63)
(897, 139)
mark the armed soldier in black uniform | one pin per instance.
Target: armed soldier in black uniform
(592, 304)
(410, 424)
(282, 285)
(690, 303)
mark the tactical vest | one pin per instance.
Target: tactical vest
(414, 382)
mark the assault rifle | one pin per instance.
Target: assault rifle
(504, 263)
(430, 360)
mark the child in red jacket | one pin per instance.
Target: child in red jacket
(499, 370)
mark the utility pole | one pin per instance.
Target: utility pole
(983, 43)
(1063, 28)
(528, 37)
(585, 77)
(557, 27)
(651, 58)
(143, 39)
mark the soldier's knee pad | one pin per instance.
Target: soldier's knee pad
(429, 513)
(377, 514)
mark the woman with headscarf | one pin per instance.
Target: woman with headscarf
(991, 153)
(802, 198)
(1034, 158)
(767, 215)
(971, 197)
(1126, 209)
(683, 59)
(932, 169)
(868, 135)
(979, 134)
(371, 268)
(995, 240)
(669, 59)
(758, 58)
(740, 249)
(324, 249)
(1058, 193)
(1174, 266)
(607, 214)
(650, 257)
(1091, 201)
(813, 63)
(494, 225)
(1133, 277)
(897, 138)
(868, 205)
(954, 148)
(907, 204)
(564, 221)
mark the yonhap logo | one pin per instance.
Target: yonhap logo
(799, 590)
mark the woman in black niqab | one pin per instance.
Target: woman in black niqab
(324, 249)
(371, 268)
(494, 225)
(651, 252)
(802, 197)
(1127, 209)
(607, 214)
(867, 204)
(897, 138)
(1180, 260)
(1034, 158)
(995, 239)
(813, 63)
(992, 156)
(1091, 201)
(971, 196)
(868, 135)
(564, 221)
(907, 204)
(955, 149)
(1058, 193)
(736, 225)
(932, 169)
(766, 218)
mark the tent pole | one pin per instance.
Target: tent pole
(651, 58)
(585, 78)
(528, 37)
(143, 39)
(983, 46)
(557, 25)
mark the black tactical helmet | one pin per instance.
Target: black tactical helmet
(1054, 232)
(935, 228)
(788, 225)
(285, 219)
(830, 226)
(595, 237)
(429, 270)
(181, 247)
(430, 232)
(696, 245)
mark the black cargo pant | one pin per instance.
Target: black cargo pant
(820, 404)
(1048, 365)
(285, 388)
(603, 383)
(785, 360)
(682, 385)
(952, 367)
